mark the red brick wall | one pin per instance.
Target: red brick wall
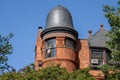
(69, 65)
(97, 74)
(38, 50)
(66, 57)
(83, 53)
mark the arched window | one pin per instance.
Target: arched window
(50, 46)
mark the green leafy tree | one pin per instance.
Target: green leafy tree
(112, 13)
(110, 72)
(49, 73)
(5, 50)
(82, 74)
(28, 73)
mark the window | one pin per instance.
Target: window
(40, 63)
(96, 57)
(69, 43)
(50, 50)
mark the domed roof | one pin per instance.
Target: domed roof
(59, 20)
(59, 17)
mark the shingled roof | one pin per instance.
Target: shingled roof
(99, 38)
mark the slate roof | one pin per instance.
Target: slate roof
(99, 38)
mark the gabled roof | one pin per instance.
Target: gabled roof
(99, 38)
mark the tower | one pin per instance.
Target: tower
(56, 44)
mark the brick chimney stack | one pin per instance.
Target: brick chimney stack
(101, 27)
(89, 34)
(38, 51)
(40, 28)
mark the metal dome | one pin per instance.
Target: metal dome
(59, 17)
(59, 20)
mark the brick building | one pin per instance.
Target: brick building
(58, 43)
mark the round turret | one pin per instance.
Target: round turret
(59, 39)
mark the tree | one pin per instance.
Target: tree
(110, 72)
(49, 73)
(28, 73)
(112, 13)
(5, 50)
(81, 74)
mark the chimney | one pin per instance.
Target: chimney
(39, 35)
(40, 28)
(101, 27)
(89, 34)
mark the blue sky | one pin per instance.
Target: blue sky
(22, 18)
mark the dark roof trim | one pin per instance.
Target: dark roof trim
(95, 47)
(60, 29)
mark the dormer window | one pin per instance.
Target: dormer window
(97, 57)
(50, 50)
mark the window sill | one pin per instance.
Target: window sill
(97, 67)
